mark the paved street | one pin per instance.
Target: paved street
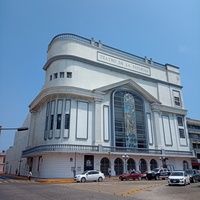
(14, 189)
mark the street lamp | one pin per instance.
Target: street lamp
(74, 170)
(163, 159)
(109, 166)
(125, 157)
(18, 129)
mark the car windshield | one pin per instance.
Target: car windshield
(177, 174)
(84, 172)
(156, 170)
(189, 171)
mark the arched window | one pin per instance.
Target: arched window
(142, 165)
(153, 164)
(130, 164)
(104, 166)
(118, 166)
(129, 120)
(185, 165)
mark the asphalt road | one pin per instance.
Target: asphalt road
(13, 189)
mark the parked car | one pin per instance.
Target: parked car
(194, 175)
(132, 175)
(144, 175)
(178, 178)
(91, 175)
(197, 176)
(158, 173)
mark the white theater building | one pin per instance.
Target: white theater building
(102, 108)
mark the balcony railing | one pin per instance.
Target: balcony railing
(98, 44)
(38, 150)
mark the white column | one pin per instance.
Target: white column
(97, 123)
(156, 131)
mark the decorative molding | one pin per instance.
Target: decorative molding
(63, 90)
(168, 109)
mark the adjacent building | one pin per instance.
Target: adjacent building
(2, 161)
(102, 108)
(194, 137)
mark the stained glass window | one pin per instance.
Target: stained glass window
(129, 120)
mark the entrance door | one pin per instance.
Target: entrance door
(88, 162)
(118, 166)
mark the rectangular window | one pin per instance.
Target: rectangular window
(47, 116)
(51, 119)
(69, 74)
(46, 126)
(58, 121)
(177, 99)
(67, 120)
(181, 133)
(62, 74)
(55, 75)
(59, 117)
(50, 77)
(51, 127)
(181, 127)
(180, 121)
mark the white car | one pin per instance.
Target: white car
(92, 175)
(178, 178)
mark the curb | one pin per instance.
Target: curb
(55, 180)
(48, 181)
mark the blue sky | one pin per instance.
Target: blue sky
(167, 31)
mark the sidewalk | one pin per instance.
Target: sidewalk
(56, 180)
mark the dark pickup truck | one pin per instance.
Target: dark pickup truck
(158, 173)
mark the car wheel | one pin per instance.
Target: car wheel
(100, 179)
(83, 180)
(121, 179)
(169, 184)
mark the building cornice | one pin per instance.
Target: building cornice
(61, 92)
(193, 121)
(168, 109)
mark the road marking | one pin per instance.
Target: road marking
(113, 188)
(137, 190)
(15, 181)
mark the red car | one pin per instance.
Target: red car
(132, 175)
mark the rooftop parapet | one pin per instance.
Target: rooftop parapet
(108, 48)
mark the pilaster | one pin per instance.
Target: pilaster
(97, 122)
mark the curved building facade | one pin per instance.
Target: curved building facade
(102, 108)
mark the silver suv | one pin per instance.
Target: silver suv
(92, 175)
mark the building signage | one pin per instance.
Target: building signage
(123, 64)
